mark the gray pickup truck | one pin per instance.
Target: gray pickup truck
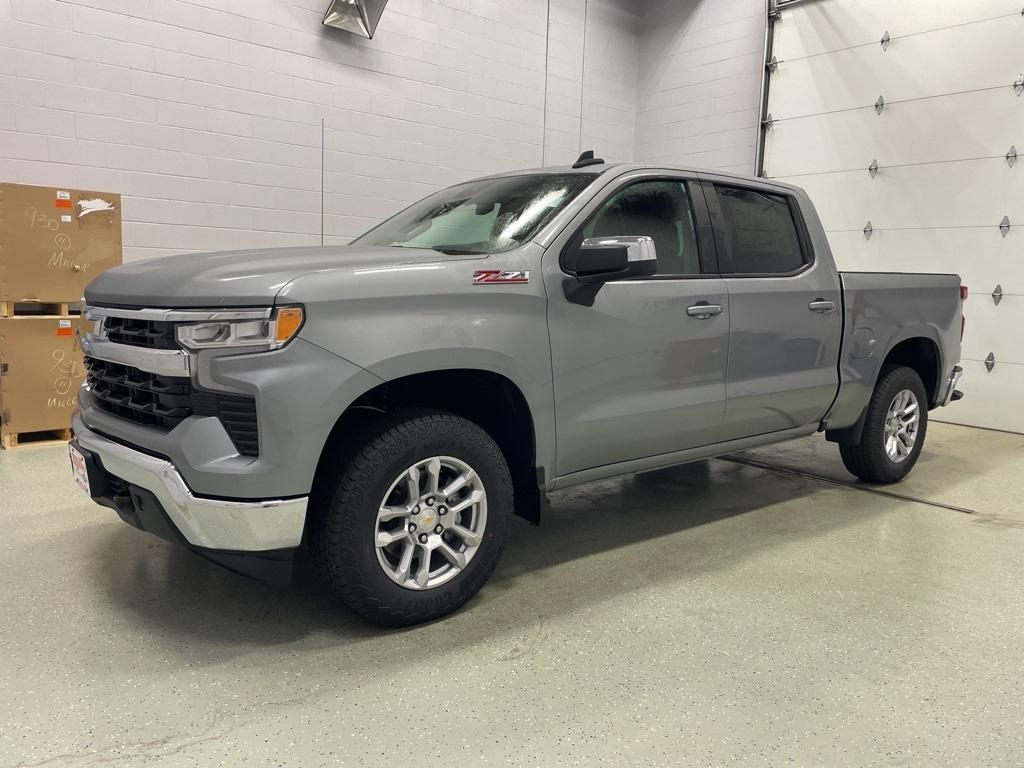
(390, 404)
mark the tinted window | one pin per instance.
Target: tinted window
(660, 209)
(484, 216)
(761, 231)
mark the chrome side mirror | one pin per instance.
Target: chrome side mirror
(603, 259)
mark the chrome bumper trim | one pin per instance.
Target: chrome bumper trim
(244, 526)
(163, 362)
(951, 382)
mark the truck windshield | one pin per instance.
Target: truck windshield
(486, 216)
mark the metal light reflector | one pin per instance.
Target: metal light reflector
(358, 16)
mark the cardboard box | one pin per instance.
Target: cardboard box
(41, 370)
(53, 241)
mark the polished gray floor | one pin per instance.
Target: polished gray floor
(721, 613)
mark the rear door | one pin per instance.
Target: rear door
(785, 311)
(637, 371)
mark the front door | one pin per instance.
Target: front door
(785, 312)
(637, 371)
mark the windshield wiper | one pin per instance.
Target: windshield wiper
(452, 251)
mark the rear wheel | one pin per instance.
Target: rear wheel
(415, 519)
(894, 428)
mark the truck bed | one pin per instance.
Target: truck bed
(880, 309)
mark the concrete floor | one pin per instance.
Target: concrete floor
(714, 614)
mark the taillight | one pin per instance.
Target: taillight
(963, 321)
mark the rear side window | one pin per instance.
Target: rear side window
(761, 232)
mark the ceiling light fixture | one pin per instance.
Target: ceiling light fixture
(358, 16)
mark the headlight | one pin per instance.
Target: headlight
(265, 333)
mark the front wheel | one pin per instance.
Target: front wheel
(415, 519)
(894, 428)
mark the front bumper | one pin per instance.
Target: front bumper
(148, 492)
(300, 391)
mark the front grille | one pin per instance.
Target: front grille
(154, 334)
(165, 401)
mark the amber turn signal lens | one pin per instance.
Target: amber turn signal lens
(289, 320)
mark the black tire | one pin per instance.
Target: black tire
(343, 527)
(868, 459)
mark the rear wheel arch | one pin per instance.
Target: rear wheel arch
(921, 354)
(918, 352)
(881, 455)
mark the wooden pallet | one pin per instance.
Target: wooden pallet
(45, 437)
(34, 308)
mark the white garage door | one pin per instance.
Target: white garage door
(945, 76)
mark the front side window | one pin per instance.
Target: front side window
(659, 209)
(761, 233)
(485, 216)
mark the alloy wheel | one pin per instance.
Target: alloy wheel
(901, 425)
(431, 522)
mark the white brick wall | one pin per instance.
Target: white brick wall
(611, 62)
(205, 114)
(700, 78)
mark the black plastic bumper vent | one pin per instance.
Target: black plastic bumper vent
(166, 401)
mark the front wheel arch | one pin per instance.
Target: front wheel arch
(344, 531)
(488, 399)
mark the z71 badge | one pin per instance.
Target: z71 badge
(502, 276)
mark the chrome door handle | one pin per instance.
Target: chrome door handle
(704, 311)
(821, 306)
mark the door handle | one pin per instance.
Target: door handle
(821, 306)
(704, 311)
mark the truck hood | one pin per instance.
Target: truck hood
(237, 278)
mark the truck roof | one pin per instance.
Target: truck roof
(602, 168)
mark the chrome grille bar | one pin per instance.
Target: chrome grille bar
(164, 362)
